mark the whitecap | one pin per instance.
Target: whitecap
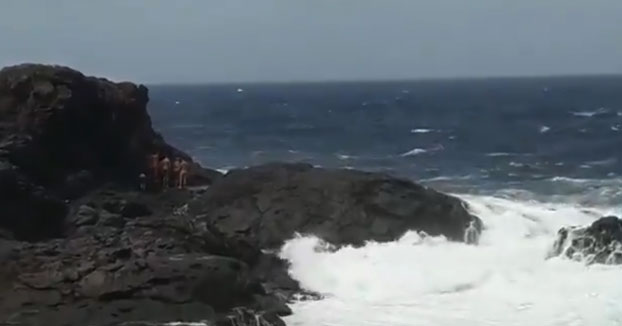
(570, 180)
(450, 178)
(589, 114)
(499, 154)
(544, 129)
(414, 152)
(224, 170)
(344, 157)
(421, 131)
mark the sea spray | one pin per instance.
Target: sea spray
(419, 280)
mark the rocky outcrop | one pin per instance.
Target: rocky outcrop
(266, 205)
(81, 245)
(600, 242)
(63, 134)
(114, 267)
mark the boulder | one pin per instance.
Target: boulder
(600, 242)
(267, 205)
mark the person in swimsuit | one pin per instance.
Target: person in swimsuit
(165, 170)
(183, 174)
(176, 171)
(154, 167)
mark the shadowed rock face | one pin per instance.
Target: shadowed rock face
(600, 242)
(266, 205)
(151, 265)
(61, 134)
(56, 121)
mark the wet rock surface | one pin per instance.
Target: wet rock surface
(600, 242)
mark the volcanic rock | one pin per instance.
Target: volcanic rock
(600, 242)
(267, 205)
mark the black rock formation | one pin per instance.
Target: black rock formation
(266, 205)
(81, 245)
(600, 242)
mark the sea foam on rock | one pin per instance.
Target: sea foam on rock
(79, 245)
(600, 242)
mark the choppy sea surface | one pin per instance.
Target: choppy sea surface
(530, 155)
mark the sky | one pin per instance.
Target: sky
(211, 41)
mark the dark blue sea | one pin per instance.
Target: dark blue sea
(527, 155)
(545, 135)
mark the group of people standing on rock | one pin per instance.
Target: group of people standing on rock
(161, 171)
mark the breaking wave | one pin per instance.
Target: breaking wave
(419, 280)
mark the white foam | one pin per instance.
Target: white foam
(345, 157)
(505, 281)
(499, 154)
(447, 178)
(421, 131)
(544, 129)
(570, 180)
(414, 152)
(589, 114)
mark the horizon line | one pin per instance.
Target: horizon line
(388, 80)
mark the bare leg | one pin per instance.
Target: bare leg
(155, 177)
(165, 180)
(182, 180)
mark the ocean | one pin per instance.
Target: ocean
(529, 155)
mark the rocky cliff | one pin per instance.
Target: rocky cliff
(80, 245)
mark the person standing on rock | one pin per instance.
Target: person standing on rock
(176, 171)
(165, 170)
(183, 174)
(154, 166)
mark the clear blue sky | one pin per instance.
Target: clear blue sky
(281, 40)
